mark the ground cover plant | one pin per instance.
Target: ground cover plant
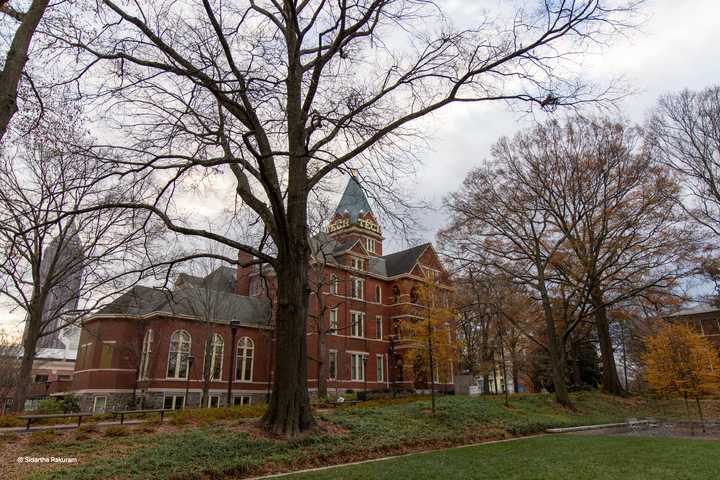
(234, 445)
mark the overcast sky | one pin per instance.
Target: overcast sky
(677, 47)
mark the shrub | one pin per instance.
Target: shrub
(117, 431)
(71, 404)
(9, 437)
(204, 416)
(42, 437)
(7, 421)
(50, 406)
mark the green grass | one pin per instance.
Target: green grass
(572, 457)
(211, 450)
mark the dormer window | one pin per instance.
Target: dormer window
(371, 245)
(357, 263)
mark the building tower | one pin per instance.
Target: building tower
(354, 219)
(63, 260)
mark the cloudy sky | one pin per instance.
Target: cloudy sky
(676, 47)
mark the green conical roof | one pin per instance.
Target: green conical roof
(353, 202)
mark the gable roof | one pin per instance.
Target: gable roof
(404, 260)
(353, 201)
(219, 306)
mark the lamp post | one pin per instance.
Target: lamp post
(190, 360)
(233, 331)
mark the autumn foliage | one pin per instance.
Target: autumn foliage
(680, 362)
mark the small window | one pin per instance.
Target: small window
(174, 402)
(357, 366)
(334, 284)
(332, 365)
(333, 321)
(379, 368)
(41, 379)
(357, 263)
(241, 400)
(64, 378)
(214, 401)
(356, 324)
(378, 327)
(378, 294)
(99, 404)
(396, 294)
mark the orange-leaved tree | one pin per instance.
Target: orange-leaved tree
(679, 361)
(429, 334)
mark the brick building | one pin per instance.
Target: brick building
(704, 319)
(149, 346)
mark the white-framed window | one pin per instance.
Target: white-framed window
(378, 294)
(244, 360)
(357, 367)
(215, 355)
(334, 284)
(213, 401)
(174, 402)
(241, 400)
(357, 288)
(333, 321)
(357, 263)
(370, 244)
(379, 368)
(332, 364)
(99, 404)
(178, 355)
(357, 320)
(145, 355)
(378, 327)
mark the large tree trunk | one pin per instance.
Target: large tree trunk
(30, 339)
(610, 380)
(556, 350)
(15, 60)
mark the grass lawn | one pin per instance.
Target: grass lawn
(216, 443)
(560, 457)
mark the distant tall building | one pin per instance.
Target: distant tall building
(62, 265)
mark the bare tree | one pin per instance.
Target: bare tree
(58, 270)
(17, 55)
(278, 95)
(10, 352)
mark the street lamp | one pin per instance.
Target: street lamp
(190, 360)
(234, 324)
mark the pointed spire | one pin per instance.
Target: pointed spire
(353, 201)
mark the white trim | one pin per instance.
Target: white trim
(104, 370)
(357, 352)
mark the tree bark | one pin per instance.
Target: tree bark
(610, 379)
(15, 61)
(322, 364)
(30, 339)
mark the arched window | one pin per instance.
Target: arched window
(414, 295)
(215, 357)
(178, 355)
(378, 294)
(396, 294)
(145, 355)
(333, 284)
(244, 360)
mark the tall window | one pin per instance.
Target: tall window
(396, 294)
(106, 355)
(379, 368)
(356, 324)
(178, 355)
(371, 245)
(244, 360)
(333, 321)
(378, 294)
(414, 295)
(215, 356)
(357, 367)
(334, 284)
(358, 286)
(332, 365)
(378, 327)
(145, 355)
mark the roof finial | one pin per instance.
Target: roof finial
(354, 173)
